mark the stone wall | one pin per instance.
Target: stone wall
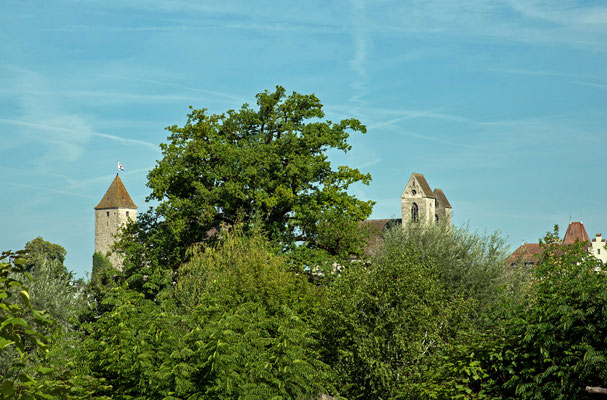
(108, 223)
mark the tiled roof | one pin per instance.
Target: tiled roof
(116, 196)
(442, 199)
(575, 231)
(526, 253)
(423, 185)
(529, 253)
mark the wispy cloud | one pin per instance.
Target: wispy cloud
(591, 84)
(80, 183)
(360, 42)
(70, 134)
(165, 83)
(124, 140)
(564, 12)
(521, 21)
(41, 189)
(66, 140)
(430, 138)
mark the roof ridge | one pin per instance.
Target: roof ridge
(423, 184)
(442, 198)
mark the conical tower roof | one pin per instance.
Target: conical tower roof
(575, 231)
(116, 196)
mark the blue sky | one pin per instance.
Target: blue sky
(500, 103)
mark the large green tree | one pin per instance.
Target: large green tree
(267, 165)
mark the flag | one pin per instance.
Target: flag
(120, 167)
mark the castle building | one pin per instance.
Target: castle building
(419, 203)
(111, 214)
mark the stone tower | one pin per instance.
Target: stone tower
(113, 211)
(420, 204)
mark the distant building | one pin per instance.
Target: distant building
(111, 214)
(597, 248)
(419, 204)
(528, 254)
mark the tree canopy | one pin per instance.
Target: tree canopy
(267, 164)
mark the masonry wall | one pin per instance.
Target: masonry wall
(425, 206)
(108, 222)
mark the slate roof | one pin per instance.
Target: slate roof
(423, 185)
(116, 196)
(442, 199)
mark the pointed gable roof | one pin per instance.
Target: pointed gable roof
(423, 185)
(442, 199)
(575, 231)
(116, 196)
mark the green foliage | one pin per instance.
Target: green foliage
(235, 326)
(468, 263)
(16, 312)
(26, 371)
(41, 253)
(400, 326)
(101, 264)
(384, 321)
(244, 269)
(552, 344)
(267, 164)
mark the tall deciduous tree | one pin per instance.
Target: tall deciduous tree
(267, 164)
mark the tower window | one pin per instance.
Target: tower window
(107, 213)
(436, 217)
(414, 212)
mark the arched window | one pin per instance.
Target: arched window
(436, 217)
(414, 212)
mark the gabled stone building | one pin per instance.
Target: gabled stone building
(111, 214)
(419, 203)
